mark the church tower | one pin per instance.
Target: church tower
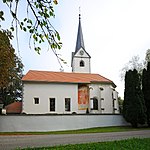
(80, 58)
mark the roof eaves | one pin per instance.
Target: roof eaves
(76, 82)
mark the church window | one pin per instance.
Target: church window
(113, 103)
(95, 104)
(67, 104)
(114, 95)
(52, 104)
(101, 89)
(81, 63)
(36, 100)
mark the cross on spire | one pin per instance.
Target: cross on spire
(79, 12)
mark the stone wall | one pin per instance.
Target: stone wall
(25, 123)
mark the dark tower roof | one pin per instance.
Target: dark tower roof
(80, 41)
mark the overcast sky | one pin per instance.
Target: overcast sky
(113, 30)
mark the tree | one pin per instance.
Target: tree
(6, 58)
(133, 105)
(134, 63)
(37, 23)
(11, 69)
(147, 58)
(146, 90)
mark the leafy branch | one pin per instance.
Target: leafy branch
(39, 28)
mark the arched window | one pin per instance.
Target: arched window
(81, 63)
(95, 103)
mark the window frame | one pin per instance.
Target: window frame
(52, 101)
(82, 63)
(68, 104)
(94, 103)
(36, 100)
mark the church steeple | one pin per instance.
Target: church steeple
(80, 58)
(80, 41)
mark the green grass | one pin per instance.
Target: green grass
(129, 144)
(91, 130)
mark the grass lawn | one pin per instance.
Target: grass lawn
(130, 144)
(91, 130)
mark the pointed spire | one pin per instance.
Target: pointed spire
(80, 41)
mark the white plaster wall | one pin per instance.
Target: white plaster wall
(44, 91)
(95, 92)
(106, 94)
(107, 103)
(76, 63)
(116, 103)
(57, 122)
(78, 69)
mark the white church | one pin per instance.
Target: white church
(77, 92)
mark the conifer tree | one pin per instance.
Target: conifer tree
(146, 90)
(133, 106)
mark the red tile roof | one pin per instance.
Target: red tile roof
(15, 108)
(64, 77)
